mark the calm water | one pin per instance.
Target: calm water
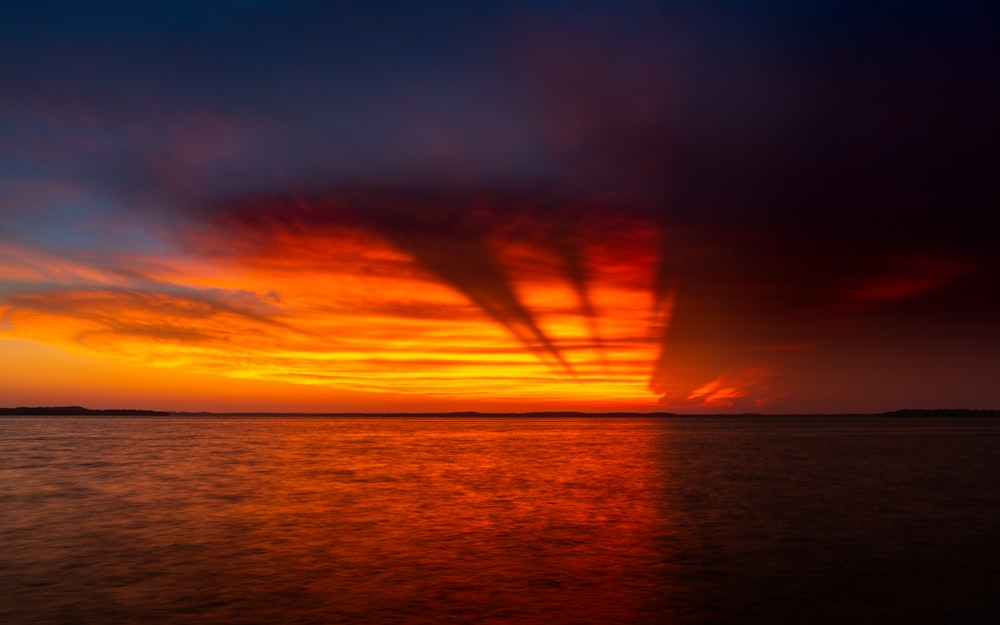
(499, 520)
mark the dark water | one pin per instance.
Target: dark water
(499, 520)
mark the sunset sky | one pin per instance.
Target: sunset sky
(499, 206)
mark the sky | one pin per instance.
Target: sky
(378, 206)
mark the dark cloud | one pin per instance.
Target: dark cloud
(444, 232)
(799, 163)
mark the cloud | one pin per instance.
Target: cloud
(646, 197)
(444, 233)
(317, 302)
(904, 277)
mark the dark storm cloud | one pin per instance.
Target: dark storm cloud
(565, 241)
(797, 161)
(843, 118)
(444, 232)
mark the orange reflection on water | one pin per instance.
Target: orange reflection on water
(514, 521)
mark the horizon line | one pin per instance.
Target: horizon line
(76, 410)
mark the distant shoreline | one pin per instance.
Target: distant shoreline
(75, 411)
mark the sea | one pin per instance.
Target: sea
(499, 519)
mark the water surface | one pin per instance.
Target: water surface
(498, 520)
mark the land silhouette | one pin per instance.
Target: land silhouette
(72, 411)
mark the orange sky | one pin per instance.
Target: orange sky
(261, 310)
(331, 319)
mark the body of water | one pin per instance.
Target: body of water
(603, 521)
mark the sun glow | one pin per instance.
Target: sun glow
(418, 298)
(343, 307)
